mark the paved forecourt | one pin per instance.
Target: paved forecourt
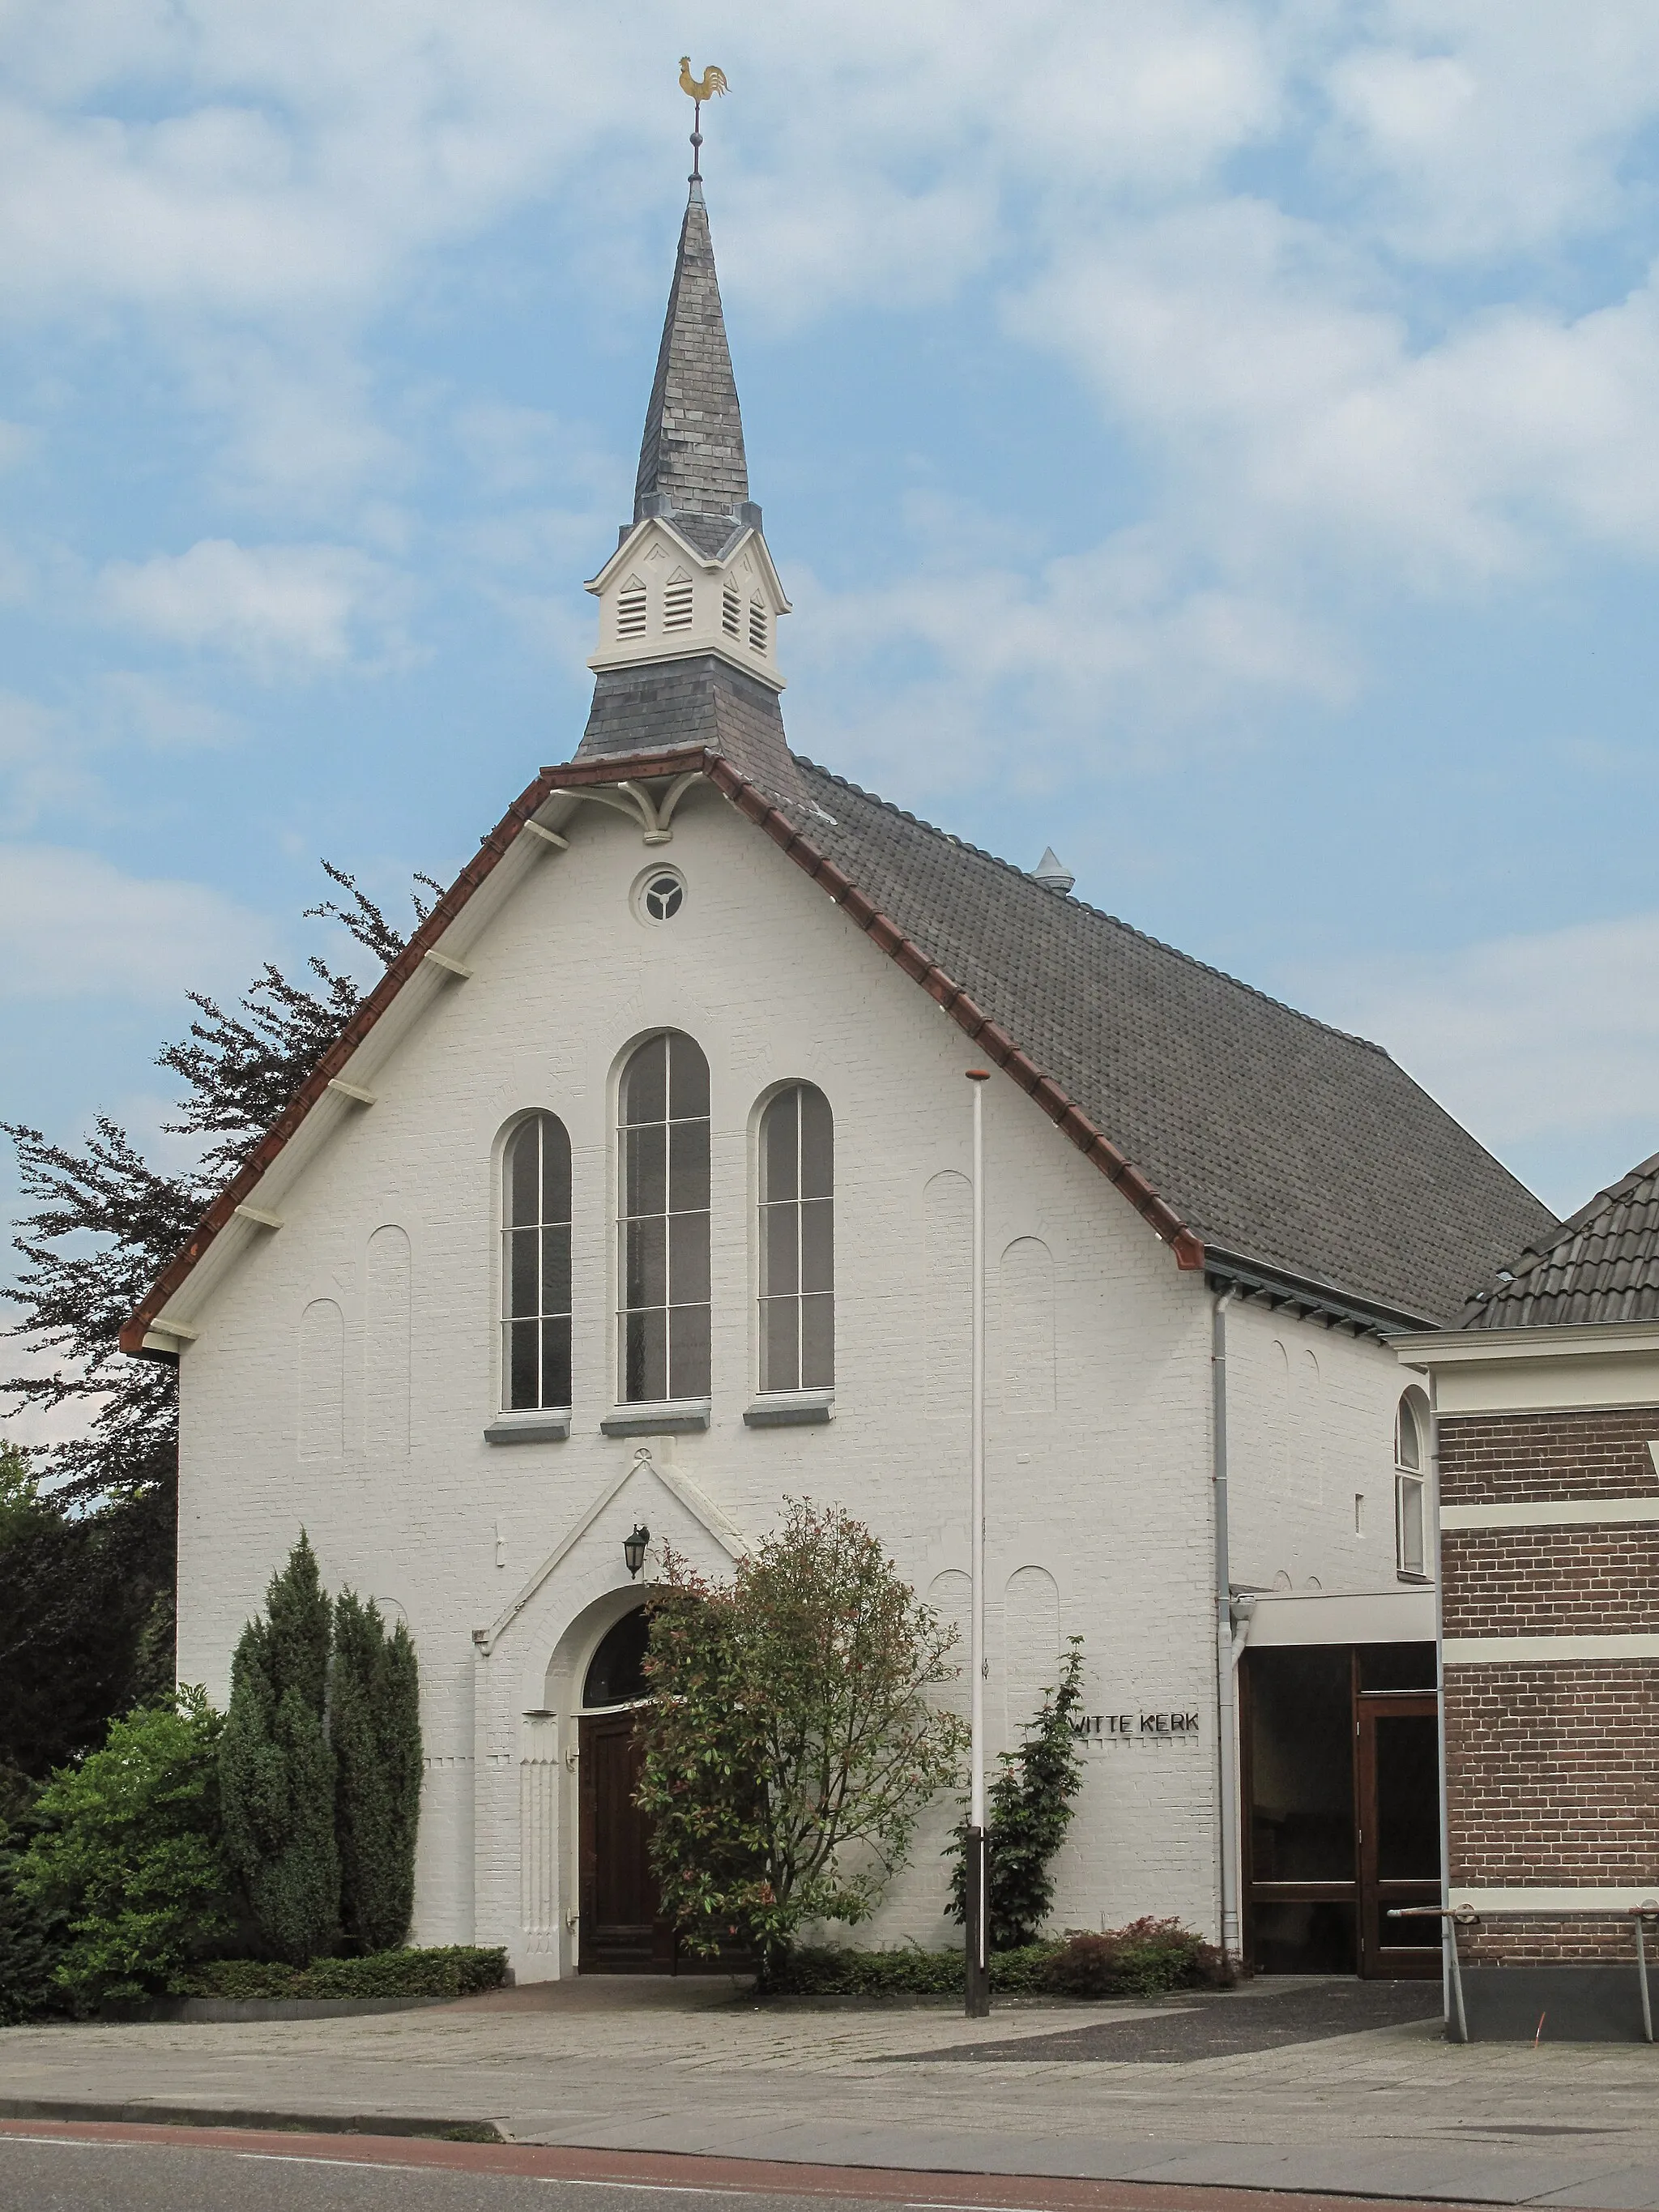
(692, 2068)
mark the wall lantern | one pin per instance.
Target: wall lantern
(634, 1549)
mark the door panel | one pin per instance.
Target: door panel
(1399, 1833)
(622, 1931)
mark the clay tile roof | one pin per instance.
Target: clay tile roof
(1603, 1265)
(1274, 1138)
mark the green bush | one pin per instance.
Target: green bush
(126, 1854)
(456, 1970)
(1141, 1960)
(31, 1935)
(910, 1971)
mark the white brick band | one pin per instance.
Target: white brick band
(1518, 1651)
(1555, 1901)
(1550, 1513)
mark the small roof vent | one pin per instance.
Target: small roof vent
(1052, 871)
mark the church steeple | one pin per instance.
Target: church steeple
(691, 457)
(690, 601)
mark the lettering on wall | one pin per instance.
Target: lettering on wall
(1167, 1724)
(322, 1385)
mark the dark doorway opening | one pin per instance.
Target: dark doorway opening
(1340, 1770)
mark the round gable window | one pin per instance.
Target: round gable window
(659, 895)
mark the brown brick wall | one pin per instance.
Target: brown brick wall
(1552, 1582)
(1553, 1774)
(1498, 1458)
(1604, 1942)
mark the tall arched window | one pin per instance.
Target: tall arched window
(1410, 1485)
(536, 1265)
(662, 1259)
(797, 1241)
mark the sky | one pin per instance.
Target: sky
(1221, 441)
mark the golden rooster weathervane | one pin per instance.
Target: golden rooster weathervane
(711, 85)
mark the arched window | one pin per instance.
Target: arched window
(662, 1259)
(1410, 1485)
(797, 1241)
(616, 1673)
(536, 1265)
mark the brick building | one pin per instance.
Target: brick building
(1547, 1418)
(638, 1193)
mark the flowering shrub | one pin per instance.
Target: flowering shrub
(1141, 1960)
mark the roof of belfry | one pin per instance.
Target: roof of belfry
(1274, 1138)
(691, 457)
(1601, 1266)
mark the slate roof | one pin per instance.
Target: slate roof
(699, 700)
(691, 457)
(1601, 1265)
(1274, 1138)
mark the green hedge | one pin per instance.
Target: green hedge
(1143, 1960)
(456, 1970)
(911, 1972)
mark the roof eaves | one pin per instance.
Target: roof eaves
(753, 804)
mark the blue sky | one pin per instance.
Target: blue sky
(1222, 441)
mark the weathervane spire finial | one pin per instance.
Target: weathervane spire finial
(711, 85)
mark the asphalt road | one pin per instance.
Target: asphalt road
(48, 2166)
(63, 2175)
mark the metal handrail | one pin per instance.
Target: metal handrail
(1465, 1916)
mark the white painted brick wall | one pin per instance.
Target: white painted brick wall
(1108, 1491)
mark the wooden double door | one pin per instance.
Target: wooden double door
(1342, 1782)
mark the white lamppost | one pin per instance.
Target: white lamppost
(978, 1867)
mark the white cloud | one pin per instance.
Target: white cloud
(1294, 417)
(1554, 1035)
(74, 925)
(969, 668)
(281, 609)
(40, 772)
(147, 711)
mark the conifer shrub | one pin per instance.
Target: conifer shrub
(374, 1729)
(277, 1771)
(1029, 1810)
(123, 1868)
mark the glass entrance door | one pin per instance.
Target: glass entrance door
(1398, 1832)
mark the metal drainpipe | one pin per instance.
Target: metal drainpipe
(1225, 1653)
(1451, 1994)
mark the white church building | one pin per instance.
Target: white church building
(637, 1196)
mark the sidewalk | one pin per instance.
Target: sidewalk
(1112, 2092)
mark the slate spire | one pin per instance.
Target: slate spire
(691, 458)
